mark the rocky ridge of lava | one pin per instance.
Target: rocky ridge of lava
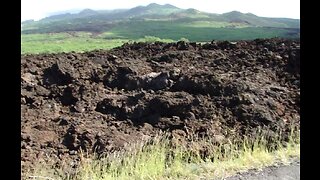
(100, 101)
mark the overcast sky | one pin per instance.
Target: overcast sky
(37, 9)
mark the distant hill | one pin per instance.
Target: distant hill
(99, 21)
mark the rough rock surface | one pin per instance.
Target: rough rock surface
(102, 100)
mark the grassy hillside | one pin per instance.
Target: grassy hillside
(76, 41)
(202, 31)
(105, 29)
(100, 21)
(151, 31)
(65, 42)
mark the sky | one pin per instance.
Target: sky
(38, 9)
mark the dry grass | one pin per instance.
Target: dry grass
(160, 160)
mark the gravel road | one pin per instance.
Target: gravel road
(289, 172)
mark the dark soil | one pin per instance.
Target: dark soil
(101, 101)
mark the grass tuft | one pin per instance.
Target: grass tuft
(202, 158)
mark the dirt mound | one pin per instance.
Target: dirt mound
(102, 100)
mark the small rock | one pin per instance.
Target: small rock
(72, 152)
(265, 50)
(40, 90)
(296, 82)
(191, 116)
(112, 57)
(79, 107)
(175, 72)
(23, 145)
(176, 118)
(23, 100)
(147, 127)
(29, 78)
(63, 122)
(278, 57)
(150, 76)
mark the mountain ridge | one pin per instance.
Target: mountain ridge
(151, 6)
(99, 21)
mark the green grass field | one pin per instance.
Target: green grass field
(195, 31)
(78, 42)
(64, 42)
(166, 31)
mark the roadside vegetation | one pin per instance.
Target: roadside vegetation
(162, 158)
